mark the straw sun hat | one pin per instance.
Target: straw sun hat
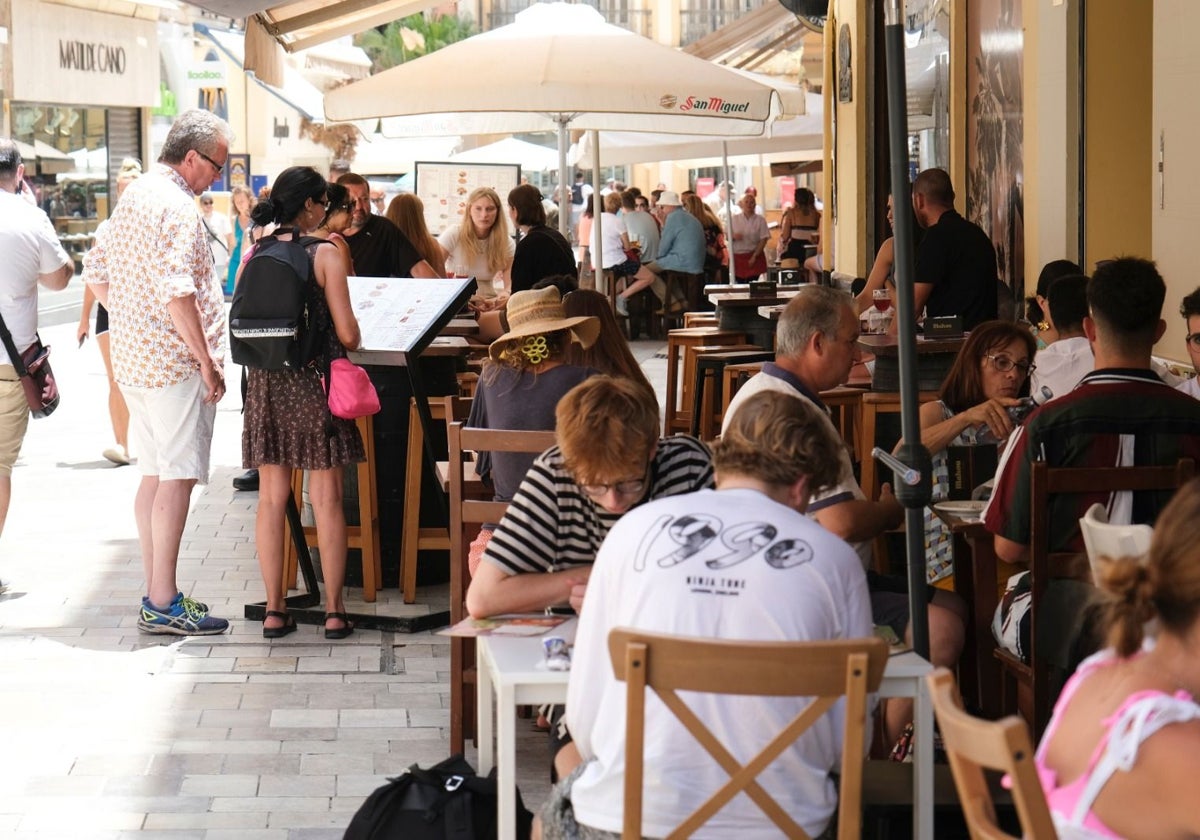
(540, 311)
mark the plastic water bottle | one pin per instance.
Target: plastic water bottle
(1019, 412)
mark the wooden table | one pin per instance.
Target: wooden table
(935, 357)
(975, 581)
(739, 310)
(512, 673)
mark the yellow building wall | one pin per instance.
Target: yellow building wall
(1174, 204)
(1118, 140)
(850, 181)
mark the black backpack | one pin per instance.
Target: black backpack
(445, 802)
(271, 323)
(577, 194)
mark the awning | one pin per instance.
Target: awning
(305, 23)
(295, 90)
(49, 160)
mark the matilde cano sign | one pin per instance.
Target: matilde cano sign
(62, 54)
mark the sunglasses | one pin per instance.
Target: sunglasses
(206, 202)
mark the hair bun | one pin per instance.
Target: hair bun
(1131, 585)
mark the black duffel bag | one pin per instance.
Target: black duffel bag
(446, 802)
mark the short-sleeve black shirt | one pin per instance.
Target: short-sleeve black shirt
(543, 252)
(381, 250)
(958, 259)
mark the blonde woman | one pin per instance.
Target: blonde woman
(118, 412)
(481, 246)
(241, 202)
(407, 212)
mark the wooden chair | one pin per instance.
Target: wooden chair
(974, 745)
(1049, 656)
(824, 671)
(415, 538)
(466, 515)
(364, 536)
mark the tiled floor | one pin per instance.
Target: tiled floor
(106, 732)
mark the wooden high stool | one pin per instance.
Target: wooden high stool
(845, 407)
(706, 390)
(678, 405)
(680, 286)
(364, 536)
(699, 319)
(735, 377)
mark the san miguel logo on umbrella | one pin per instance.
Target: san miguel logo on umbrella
(711, 104)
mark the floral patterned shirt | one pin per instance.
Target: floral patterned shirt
(152, 250)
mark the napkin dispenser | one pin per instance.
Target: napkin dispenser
(945, 326)
(763, 288)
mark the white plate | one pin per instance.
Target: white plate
(960, 507)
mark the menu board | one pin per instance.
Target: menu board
(403, 314)
(443, 188)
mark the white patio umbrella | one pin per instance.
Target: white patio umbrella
(531, 156)
(558, 66)
(800, 138)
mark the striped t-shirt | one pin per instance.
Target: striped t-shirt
(550, 524)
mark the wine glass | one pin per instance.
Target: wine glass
(883, 299)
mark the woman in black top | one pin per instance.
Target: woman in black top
(541, 251)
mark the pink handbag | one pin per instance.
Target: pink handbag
(351, 394)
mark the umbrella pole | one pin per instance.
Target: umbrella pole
(914, 497)
(729, 277)
(597, 247)
(564, 204)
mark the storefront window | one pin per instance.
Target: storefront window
(66, 160)
(927, 59)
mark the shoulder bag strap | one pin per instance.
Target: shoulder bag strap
(14, 357)
(215, 238)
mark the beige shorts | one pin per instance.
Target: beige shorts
(171, 429)
(14, 418)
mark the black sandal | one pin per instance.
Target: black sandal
(339, 632)
(288, 626)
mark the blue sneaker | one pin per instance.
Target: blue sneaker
(184, 617)
(200, 605)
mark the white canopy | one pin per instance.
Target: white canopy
(531, 156)
(379, 155)
(559, 64)
(800, 138)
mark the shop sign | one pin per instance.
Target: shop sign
(76, 56)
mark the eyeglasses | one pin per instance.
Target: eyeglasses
(334, 208)
(207, 202)
(622, 488)
(219, 167)
(1005, 364)
(1193, 339)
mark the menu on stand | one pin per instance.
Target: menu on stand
(401, 315)
(443, 188)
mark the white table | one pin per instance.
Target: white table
(512, 673)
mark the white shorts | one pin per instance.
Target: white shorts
(171, 429)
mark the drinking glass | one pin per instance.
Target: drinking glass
(883, 299)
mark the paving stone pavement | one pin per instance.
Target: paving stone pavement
(109, 733)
